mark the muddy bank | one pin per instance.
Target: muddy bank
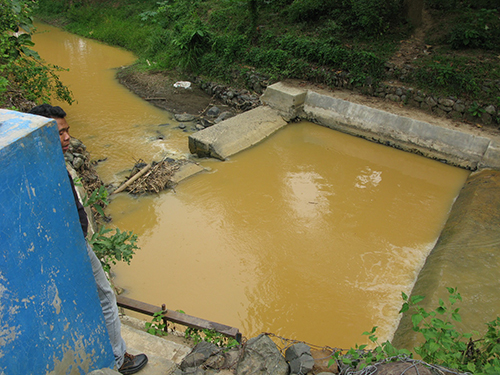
(158, 89)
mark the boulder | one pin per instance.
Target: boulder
(261, 356)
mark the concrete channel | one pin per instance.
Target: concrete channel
(283, 104)
(470, 240)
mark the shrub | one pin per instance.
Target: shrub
(23, 75)
(477, 29)
(441, 4)
(445, 77)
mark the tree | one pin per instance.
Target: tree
(24, 78)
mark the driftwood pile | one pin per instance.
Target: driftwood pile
(151, 178)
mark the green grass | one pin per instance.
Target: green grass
(304, 39)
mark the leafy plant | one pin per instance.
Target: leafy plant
(111, 248)
(97, 200)
(360, 357)
(209, 335)
(476, 110)
(24, 76)
(477, 29)
(447, 77)
(444, 345)
(157, 325)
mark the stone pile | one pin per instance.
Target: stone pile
(242, 100)
(261, 356)
(212, 116)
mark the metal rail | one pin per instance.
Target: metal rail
(177, 317)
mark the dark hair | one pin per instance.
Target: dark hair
(46, 110)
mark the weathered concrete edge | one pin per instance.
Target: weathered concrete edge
(435, 142)
(236, 134)
(186, 171)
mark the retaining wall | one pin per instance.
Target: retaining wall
(452, 146)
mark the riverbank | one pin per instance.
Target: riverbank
(158, 89)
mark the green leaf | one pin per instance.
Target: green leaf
(416, 319)
(456, 317)
(416, 299)
(99, 210)
(404, 308)
(441, 310)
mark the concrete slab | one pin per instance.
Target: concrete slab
(287, 100)
(236, 134)
(491, 158)
(186, 171)
(164, 353)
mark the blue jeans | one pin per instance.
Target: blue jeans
(109, 308)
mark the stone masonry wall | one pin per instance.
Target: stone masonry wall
(450, 107)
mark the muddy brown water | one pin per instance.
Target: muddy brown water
(311, 235)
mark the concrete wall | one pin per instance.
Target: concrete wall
(50, 318)
(435, 142)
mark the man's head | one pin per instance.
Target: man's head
(58, 114)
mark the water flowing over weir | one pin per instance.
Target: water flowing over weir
(311, 234)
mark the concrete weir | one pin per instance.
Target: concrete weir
(284, 103)
(469, 244)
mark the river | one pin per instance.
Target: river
(311, 235)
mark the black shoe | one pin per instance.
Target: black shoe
(133, 363)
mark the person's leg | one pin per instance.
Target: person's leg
(109, 308)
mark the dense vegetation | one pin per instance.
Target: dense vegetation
(315, 40)
(24, 78)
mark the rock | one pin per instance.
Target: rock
(295, 351)
(204, 122)
(398, 368)
(184, 117)
(321, 361)
(430, 101)
(485, 119)
(223, 116)
(459, 107)
(213, 112)
(444, 108)
(199, 127)
(193, 360)
(393, 97)
(261, 356)
(299, 358)
(490, 110)
(215, 362)
(182, 126)
(77, 144)
(446, 102)
(69, 157)
(200, 353)
(77, 162)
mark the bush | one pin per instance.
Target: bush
(444, 77)
(477, 29)
(368, 17)
(443, 347)
(441, 4)
(23, 75)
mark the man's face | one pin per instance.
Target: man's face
(64, 137)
